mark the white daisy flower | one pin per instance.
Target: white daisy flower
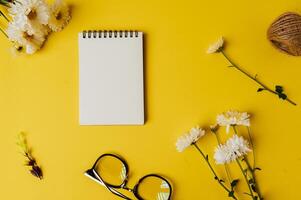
(234, 148)
(217, 46)
(222, 154)
(238, 145)
(30, 42)
(60, 16)
(233, 118)
(189, 138)
(31, 15)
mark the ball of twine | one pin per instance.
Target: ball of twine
(285, 33)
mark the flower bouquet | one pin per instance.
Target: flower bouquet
(235, 149)
(29, 22)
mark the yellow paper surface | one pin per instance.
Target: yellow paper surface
(184, 87)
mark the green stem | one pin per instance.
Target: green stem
(234, 128)
(246, 179)
(1, 13)
(252, 146)
(1, 30)
(252, 170)
(212, 170)
(19, 2)
(4, 3)
(254, 78)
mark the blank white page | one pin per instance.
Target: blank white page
(111, 78)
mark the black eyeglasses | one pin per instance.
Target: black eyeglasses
(111, 171)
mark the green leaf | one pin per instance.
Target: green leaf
(257, 168)
(282, 96)
(3, 2)
(231, 194)
(234, 183)
(279, 89)
(247, 194)
(253, 188)
(260, 89)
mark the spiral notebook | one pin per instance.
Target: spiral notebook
(111, 78)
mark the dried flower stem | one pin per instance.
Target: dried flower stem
(214, 173)
(31, 162)
(35, 169)
(264, 87)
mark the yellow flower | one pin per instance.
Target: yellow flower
(60, 16)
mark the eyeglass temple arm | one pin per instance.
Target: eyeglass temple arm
(100, 181)
(111, 189)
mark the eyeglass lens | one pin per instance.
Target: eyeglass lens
(154, 188)
(111, 170)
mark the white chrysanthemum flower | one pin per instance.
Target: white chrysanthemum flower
(31, 10)
(31, 15)
(217, 46)
(234, 148)
(31, 42)
(233, 118)
(189, 138)
(239, 145)
(222, 154)
(60, 16)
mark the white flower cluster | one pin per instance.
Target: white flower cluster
(234, 148)
(189, 138)
(233, 118)
(33, 20)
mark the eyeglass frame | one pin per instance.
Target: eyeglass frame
(93, 174)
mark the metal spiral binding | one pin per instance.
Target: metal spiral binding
(109, 34)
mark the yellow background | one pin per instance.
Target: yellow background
(184, 87)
